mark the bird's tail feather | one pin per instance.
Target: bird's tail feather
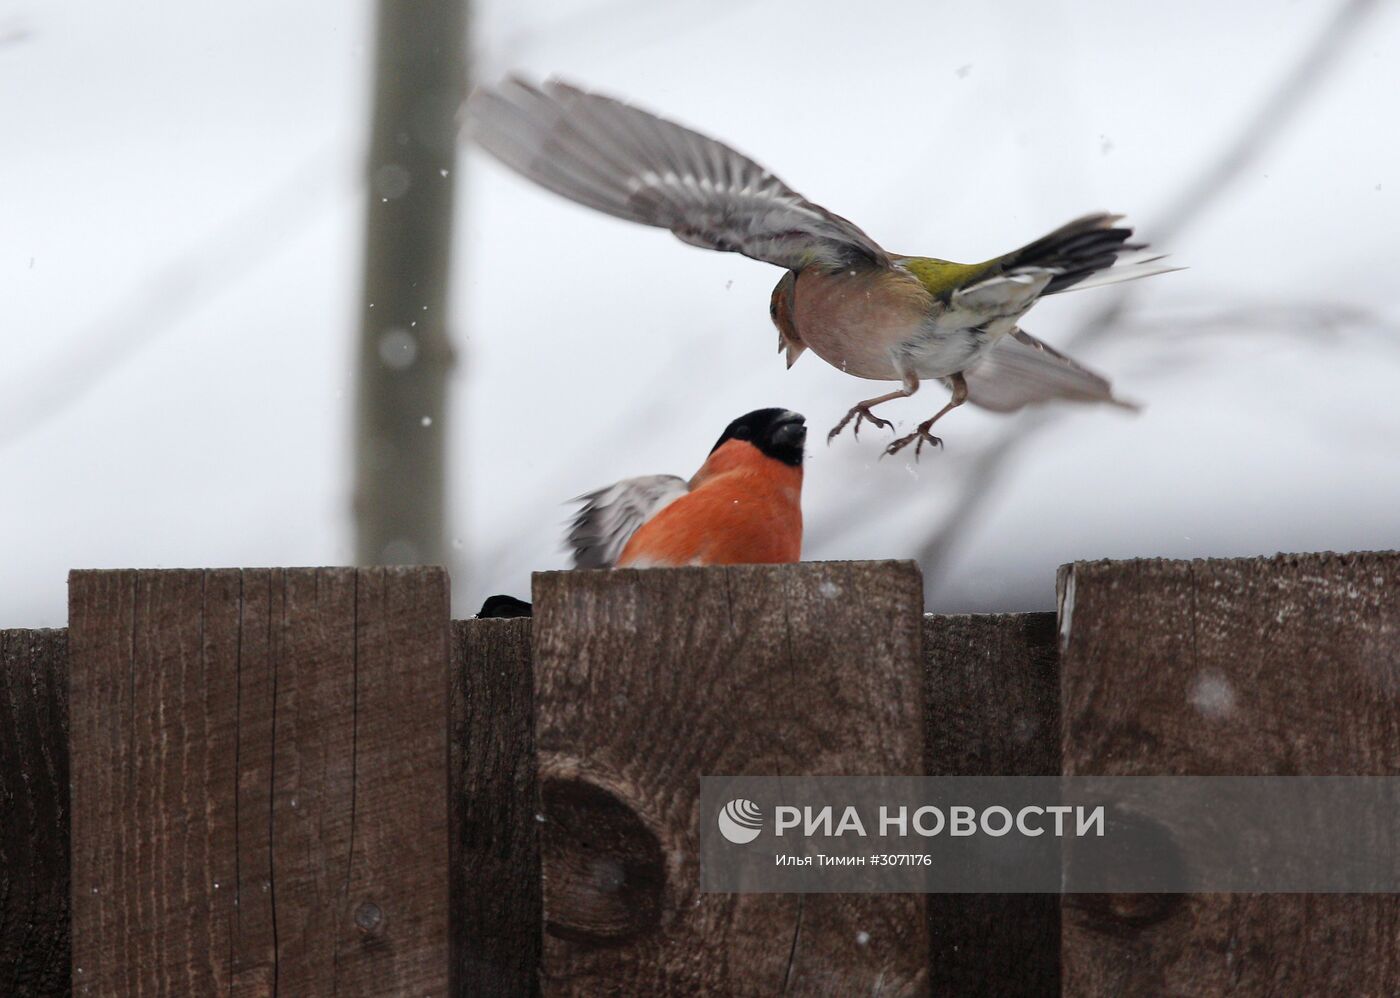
(1088, 252)
(1128, 267)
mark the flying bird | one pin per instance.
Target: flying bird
(744, 505)
(874, 314)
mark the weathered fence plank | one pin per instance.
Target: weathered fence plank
(495, 839)
(646, 680)
(1282, 666)
(992, 708)
(259, 764)
(34, 938)
(258, 802)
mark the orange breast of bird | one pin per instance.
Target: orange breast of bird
(744, 508)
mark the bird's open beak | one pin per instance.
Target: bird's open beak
(790, 429)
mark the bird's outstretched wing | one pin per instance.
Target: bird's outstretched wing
(610, 516)
(629, 163)
(1020, 370)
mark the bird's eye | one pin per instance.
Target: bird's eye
(740, 433)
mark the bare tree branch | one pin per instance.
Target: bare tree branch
(1193, 200)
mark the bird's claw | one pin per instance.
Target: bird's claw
(869, 416)
(860, 415)
(918, 438)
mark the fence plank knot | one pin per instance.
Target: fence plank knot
(647, 680)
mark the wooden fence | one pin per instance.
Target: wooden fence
(311, 781)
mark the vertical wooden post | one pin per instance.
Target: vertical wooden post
(992, 707)
(1282, 666)
(259, 782)
(34, 937)
(495, 838)
(647, 680)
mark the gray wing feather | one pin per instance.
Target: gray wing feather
(1020, 370)
(610, 516)
(629, 163)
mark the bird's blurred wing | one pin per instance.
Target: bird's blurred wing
(1020, 370)
(610, 516)
(629, 163)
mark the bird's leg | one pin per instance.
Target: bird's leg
(861, 410)
(921, 433)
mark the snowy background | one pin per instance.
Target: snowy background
(181, 205)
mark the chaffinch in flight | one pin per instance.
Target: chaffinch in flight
(873, 314)
(744, 505)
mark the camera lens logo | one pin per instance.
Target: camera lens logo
(740, 821)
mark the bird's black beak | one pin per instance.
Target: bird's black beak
(787, 436)
(790, 429)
